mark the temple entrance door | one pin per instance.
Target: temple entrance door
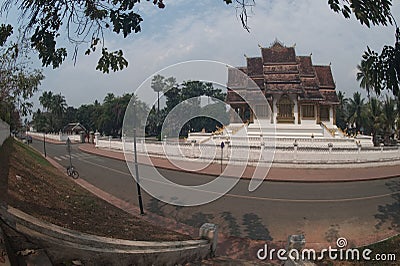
(285, 110)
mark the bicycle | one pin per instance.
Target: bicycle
(72, 172)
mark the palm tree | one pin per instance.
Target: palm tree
(398, 116)
(374, 115)
(109, 97)
(58, 105)
(341, 111)
(388, 117)
(364, 77)
(158, 84)
(45, 100)
(356, 111)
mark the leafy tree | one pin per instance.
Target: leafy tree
(188, 95)
(172, 96)
(154, 123)
(384, 69)
(106, 117)
(41, 121)
(83, 21)
(367, 12)
(398, 116)
(70, 115)
(18, 82)
(5, 32)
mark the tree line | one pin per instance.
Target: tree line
(18, 81)
(376, 116)
(107, 117)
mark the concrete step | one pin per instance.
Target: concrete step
(20, 251)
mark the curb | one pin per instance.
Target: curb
(343, 180)
(56, 240)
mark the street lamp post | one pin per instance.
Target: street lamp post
(136, 164)
(222, 153)
(44, 144)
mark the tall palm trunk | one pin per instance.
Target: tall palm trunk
(158, 102)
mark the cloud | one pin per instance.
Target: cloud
(209, 29)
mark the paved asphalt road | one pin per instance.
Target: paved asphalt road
(361, 212)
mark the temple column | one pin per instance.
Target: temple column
(295, 107)
(271, 105)
(298, 113)
(318, 114)
(334, 114)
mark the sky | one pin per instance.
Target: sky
(210, 30)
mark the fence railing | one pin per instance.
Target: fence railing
(254, 154)
(56, 136)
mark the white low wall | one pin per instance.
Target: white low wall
(4, 131)
(54, 136)
(304, 153)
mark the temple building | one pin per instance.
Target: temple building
(282, 98)
(301, 95)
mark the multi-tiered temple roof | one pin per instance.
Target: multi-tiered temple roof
(280, 71)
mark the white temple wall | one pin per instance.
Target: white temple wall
(309, 122)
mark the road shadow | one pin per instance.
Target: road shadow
(390, 213)
(233, 227)
(333, 233)
(254, 227)
(198, 219)
(155, 206)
